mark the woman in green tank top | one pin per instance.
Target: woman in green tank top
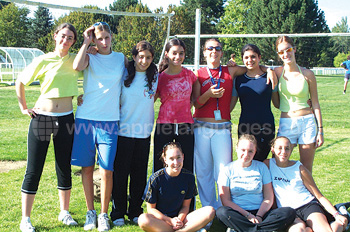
(299, 122)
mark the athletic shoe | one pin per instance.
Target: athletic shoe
(119, 222)
(344, 92)
(90, 222)
(26, 225)
(135, 220)
(66, 218)
(230, 230)
(103, 222)
(201, 230)
(343, 209)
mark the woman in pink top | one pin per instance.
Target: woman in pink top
(175, 122)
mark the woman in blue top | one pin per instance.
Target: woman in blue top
(346, 65)
(246, 194)
(168, 195)
(255, 97)
(135, 127)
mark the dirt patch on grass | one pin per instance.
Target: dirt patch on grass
(6, 166)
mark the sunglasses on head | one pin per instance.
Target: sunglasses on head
(287, 50)
(100, 23)
(211, 48)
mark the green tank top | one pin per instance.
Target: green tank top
(293, 93)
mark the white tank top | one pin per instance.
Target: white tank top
(288, 186)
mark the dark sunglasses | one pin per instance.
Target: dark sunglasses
(211, 48)
(100, 23)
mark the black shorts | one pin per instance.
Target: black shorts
(314, 206)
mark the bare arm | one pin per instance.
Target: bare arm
(151, 209)
(225, 196)
(233, 102)
(81, 61)
(311, 79)
(267, 202)
(22, 100)
(275, 100)
(310, 184)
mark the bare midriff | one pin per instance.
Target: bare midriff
(57, 105)
(297, 113)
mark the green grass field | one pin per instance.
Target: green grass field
(331, 164)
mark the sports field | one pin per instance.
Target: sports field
(331, 171)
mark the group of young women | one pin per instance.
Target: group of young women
(116, 118)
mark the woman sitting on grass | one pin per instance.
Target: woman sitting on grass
(295, 187)
(168, 195)
(246, 194)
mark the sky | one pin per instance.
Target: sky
(334, 10)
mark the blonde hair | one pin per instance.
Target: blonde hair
(249, 138)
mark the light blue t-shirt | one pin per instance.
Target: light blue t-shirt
(347, 66)
(245, 183)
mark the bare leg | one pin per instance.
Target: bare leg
(307, 155)
(27, 204)
(299, 226)
(337, 227)
(318, 222)
(106, 188)
(87, 179)
(198, 219)
(345, 85)
(64, 196)
(150, 223)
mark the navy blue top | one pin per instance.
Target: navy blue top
(168, 193)
(255, 98)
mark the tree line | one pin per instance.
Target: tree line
(217, 17)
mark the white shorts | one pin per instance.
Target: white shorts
(299, 130)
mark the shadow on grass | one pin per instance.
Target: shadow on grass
(332, 144)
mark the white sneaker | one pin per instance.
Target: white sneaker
(26, 225)
(230, 230)
(90, 222)
(103, 222)
(201, 230)
(136, 220)
(66, 218)
(119, 222)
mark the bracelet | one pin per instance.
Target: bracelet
(250, 213)
(336, 214)
(320, 127)
(199, 102)
(258, 216)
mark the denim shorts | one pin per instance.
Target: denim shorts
(299, 130)
(89, 136)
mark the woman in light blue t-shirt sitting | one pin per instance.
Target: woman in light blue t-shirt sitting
(246, 194)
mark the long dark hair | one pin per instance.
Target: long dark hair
(173, 42)
(151, 70)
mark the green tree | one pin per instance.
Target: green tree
(341, 44)
(340, 58)
(211, 12)
(41, 26)
(119, 5)
(3, 4)
(234, 21)
(14, 26)
(289, 16)
(133, 29)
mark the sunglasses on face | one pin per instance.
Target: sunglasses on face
(100, 23)
(283, 51)
(211, 48)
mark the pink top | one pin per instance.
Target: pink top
(175, 95)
